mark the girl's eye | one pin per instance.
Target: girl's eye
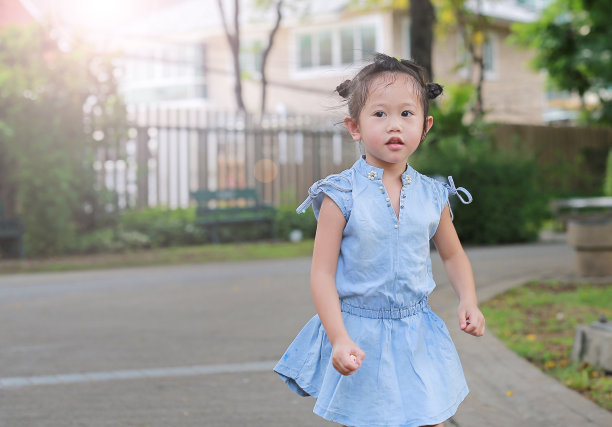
(406, 114)
(379, 114)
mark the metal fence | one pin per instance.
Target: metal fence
(170, 153)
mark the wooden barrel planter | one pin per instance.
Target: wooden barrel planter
(592, 241)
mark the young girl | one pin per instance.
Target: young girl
(376, 355)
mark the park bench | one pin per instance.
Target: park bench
(232, 206)
(11, 234)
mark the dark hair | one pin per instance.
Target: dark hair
(355, 91)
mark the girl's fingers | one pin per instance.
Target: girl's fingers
(347, 359)
(463, 322)
(476, 328)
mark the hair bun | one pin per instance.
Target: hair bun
(343, 88)
(434, 90)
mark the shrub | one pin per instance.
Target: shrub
(109, 240)
(46, 142)
(506, 208)
(164, 227)
(287, 220)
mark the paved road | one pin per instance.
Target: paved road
(194, 345)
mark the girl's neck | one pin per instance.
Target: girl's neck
(391, 170)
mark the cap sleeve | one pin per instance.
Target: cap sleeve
(337, 187)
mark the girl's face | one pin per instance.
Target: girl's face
(391, 121)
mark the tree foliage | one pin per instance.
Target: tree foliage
(455, 15)
(572, 43)
(52, 101)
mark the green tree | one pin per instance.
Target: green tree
(471, 25)
(572, 43)
(52, 100)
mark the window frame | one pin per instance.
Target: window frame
(337, 67)
(492, 40)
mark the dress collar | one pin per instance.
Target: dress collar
(375, 174)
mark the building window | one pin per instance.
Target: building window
(347, 46)
(325, 49)
(406, 53)
(489, 57)
(306, 51)
(251, 54)
(164, 72)
(368, 41)
(343, 46)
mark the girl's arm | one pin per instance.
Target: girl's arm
(323, 287)
(459, 271)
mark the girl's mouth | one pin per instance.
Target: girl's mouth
(394, 143)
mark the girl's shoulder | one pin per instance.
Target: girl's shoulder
(337, 187)
(434, 185)
(342, 181)
(442, 188)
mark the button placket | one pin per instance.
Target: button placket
(389, 207)
(406, 180)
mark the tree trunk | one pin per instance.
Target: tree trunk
(476, 52)
(422, 20)
(479, 107)
(266, 53)
(234, 42)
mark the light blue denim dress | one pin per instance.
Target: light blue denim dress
(411, 375)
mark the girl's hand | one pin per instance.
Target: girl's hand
(347, 356)
(471, 319)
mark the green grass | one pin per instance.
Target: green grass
(165, 256)
(538, 322)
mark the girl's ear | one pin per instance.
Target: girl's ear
(353, 128)
(427, 127)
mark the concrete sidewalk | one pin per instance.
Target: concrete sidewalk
(505, 389)
(194, 345)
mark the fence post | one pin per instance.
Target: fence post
(142, 159)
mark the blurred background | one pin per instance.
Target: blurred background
(130, 125)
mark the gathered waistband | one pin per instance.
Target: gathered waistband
(385, 313)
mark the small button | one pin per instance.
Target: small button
(381, 187)
(396, 226)
(402, 206)
(388, 204)
(387, 199)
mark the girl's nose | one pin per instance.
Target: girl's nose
(393, 125)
